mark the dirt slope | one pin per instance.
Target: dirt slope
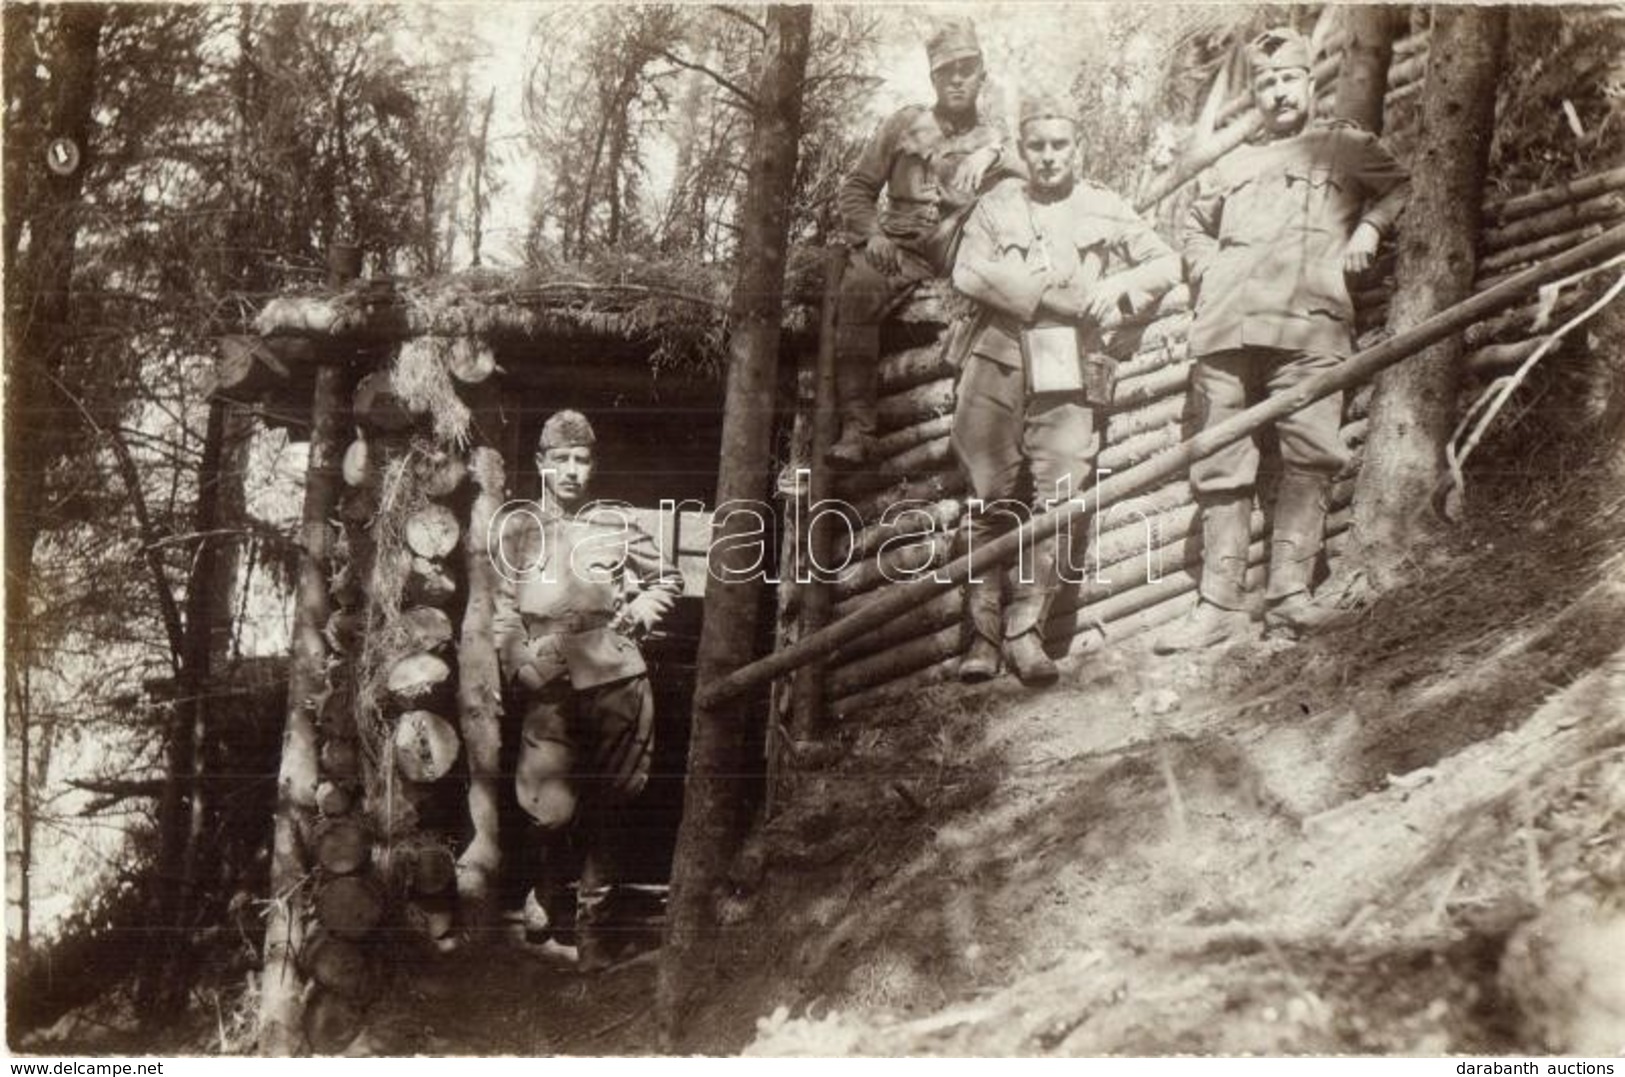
(1321, 848)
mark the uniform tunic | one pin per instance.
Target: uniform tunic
(912, 159)
(1264, 244)
(559, 580)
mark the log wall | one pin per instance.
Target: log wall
(1144, 568)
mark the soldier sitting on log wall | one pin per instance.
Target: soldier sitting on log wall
(930, 164)
(1267, 243)
(565, 632)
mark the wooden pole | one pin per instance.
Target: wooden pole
(712, 802)
(807, 713)
(902, 597)
(281, 986)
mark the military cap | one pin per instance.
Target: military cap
(1045, 106)
(565, 429)
(953, 39)
(1274, 49)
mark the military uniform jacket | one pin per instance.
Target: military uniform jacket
(1264, 240)
(913, 158)
(1014, 248)
(561, 575)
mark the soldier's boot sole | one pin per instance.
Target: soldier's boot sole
(980, 663)
(1025, 654)
(1206, 626)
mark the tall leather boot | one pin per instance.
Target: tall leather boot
(1221, 613)
(984, 601)
(597, 940)
(1024, 618)
(857, 380)
(1295, 541)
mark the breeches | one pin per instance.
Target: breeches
(997, 426)
(866, 293)
(594, 744)
(1226, 383)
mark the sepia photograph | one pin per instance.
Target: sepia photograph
(859, 530)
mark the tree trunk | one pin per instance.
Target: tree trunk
(281, 1028)
(37, 328)
(1362, 78)
(711, 804)
(1414, 406)
(280, 1024)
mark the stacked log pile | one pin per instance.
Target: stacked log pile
(906, 505)
(407, 719)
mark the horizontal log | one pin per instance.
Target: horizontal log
(357, 467)
(894, 661)
(1127, 423)
(940, 515)
(1519, 322)
(416, 679)
(899, 441)
(470, 360)
(1120, 631)
(913, 406)
(914, 366)
(1121, 560)
(1497, 358)
(441, 473)
(896, 563)
(1172, 377)
(1607, 208)
(376, 405)
(431, 917)
(429, 584)
(426, 745)
(942, 610)
(247, 367)
(426, 628)
(928, 488)
(1492, 266)
(342, 966)
(331, 1022)
(421, 864)
(1503, 210)
(334, 798)
(350, 905)
(340, 758)
(432, 531)
(342, 845)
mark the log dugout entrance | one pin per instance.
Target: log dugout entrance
(416, 838)
(659, 437)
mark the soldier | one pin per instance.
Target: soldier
(930, 163)
(579, 584)
(1051, 253)
(1268, 240)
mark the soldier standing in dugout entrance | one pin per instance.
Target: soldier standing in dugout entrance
(930, 163)
(1267, 242)
(577, 586)
(1048, 261)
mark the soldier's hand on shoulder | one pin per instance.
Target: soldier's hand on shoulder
(970, 172)
(882, 254)
(1361, 252)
